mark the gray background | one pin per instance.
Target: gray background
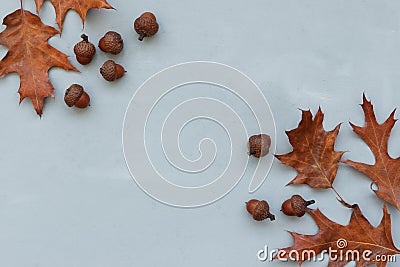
(66, 196)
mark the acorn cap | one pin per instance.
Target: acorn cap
(259, 145)
(84, 48)
(259, 209)
(73, 94)
(146, 25)
(111, 42)
(111, 70)
(299, 205)
(149, 15)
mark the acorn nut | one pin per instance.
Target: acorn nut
(111, 43)
(112, 71)
(146, 25)
(76, 96)
(84, 50)
(259, 209)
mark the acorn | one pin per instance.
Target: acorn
(112, 71)
(111, 43)
(259, 209)
(259, 145)
(76, 96)
(296, 206)
(146, 25)
(84, 50)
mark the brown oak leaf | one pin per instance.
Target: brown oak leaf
(31, 56)
(386, 171)
(80, 6)
(313, 155)
(358, 241)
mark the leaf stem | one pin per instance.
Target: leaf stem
(338, 195)
(22, 8)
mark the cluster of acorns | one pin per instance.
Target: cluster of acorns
(146, 26)
(295, 206)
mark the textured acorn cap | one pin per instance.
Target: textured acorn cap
(259, 209)
(299, 205)
(149, 15)
(84, 48)
(73, 94)
(146, 25)
(111, 43)
(109, 70)
(259, 145)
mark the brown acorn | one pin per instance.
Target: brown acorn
(76, 96)
(112, 71)
(84, 50)
(111, 43)
(259, 209)
(259, 145)
(146, 25)
(296, 206)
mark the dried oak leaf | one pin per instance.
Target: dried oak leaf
(313, 155)
(385, 173)
(355, 239)
(80, 6)
(31, 56)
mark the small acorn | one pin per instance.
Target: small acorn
(84, 50)
(111, 43)
(112, 71)
(296, 206)
(259, 145)
(259, 209)
(146, 25)
(76, 96)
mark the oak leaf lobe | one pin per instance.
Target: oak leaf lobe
(80, 6)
